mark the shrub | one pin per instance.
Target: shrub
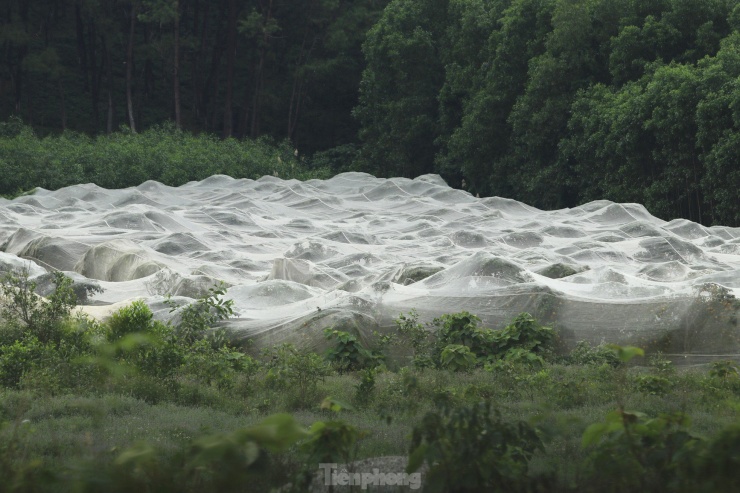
(724, 370)
(217, 367)
(365, 389)
(37, 317)
(472, 449)
(161, 356)
(585, 354)
(19, 358)
(292, 368)
(457, 357)
(413, 334)
(136, 317)
(639, 453)
(661, 365)
(524, 333)
(348, 354)
(196, 318)
(460, 329)
(653, 385)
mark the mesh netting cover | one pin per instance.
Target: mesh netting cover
(353, 252)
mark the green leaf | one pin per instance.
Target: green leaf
(593, 434)
(277, 432)
(335, 405)
(416, 458)
(626, 353)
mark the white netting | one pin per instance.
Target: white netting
(355, 251)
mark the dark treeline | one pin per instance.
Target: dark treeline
(242, 68)
(558, 102)
(552, 102)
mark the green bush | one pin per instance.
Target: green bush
(136, 317)
(724, 370)
(585, 354)
(198, 317)
(629, 451)
(526, 339)
(413, 334)
(19, 358)
(123, 159)
(21, 306)
(653, 385)
(457, 357)
(365, 389)
(472, 449)
(291, 368)
(162, 354)
(348, 354)
(218, 367)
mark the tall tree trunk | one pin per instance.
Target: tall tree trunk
(197, 80)
(109, 82)
(176, 66)
(296, 95)
(260, 75)
(230, 60)
(18, 80)
(81, 49)
(244, 121)
(257, 96)
(129, 69)
(148, 66)
(62, 104)
(95, 77)
(209, 111)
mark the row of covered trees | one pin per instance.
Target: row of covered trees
(230, 67)
(556, 102)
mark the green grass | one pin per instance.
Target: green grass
(66, 430)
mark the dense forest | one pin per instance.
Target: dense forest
(229, 67)
(552, 102)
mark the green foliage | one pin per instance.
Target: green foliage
(585, 354)
(18, 359)
(524, 333)
(557, 102)
(460, 344)
(397, 107)
(215, 462)
(348, 354)
(661, 365)
(365, 389)
(120, 160)
(724, 370)
(653, 385)
(136, 317)
(43, 319)
(457, 357)
(161, 356)
(413, 334)
(472, 449)
(219, 367)
(625, 354)
(639, 452)
(17, 469)
(331, 442)
(300, 370)
(198, 317)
